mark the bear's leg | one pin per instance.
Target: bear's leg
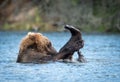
(70, 57)
(67, 56)
(63, 55)
(81, 57)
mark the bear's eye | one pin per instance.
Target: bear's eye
(49, 45)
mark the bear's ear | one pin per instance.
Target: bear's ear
(31, 35)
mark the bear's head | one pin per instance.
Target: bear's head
(35, 46)
(38, 42)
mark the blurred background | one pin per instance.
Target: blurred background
(99, 21)
(51, 15)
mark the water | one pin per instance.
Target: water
(102, 52)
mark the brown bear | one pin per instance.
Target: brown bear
(35, 48)
(73, 45)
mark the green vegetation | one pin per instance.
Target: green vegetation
(51, 15)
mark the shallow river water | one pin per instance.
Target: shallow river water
(102, 52)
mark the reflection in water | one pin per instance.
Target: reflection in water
(102, 52)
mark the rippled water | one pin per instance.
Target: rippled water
(102, 52)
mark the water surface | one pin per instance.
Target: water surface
(102, 52)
